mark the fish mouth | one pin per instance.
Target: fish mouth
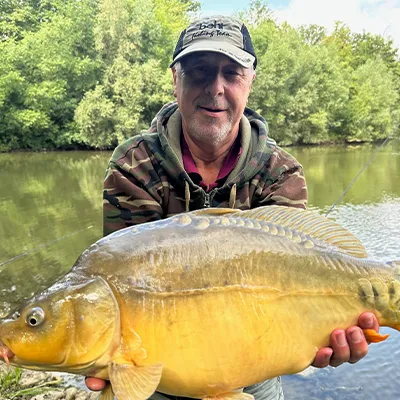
(10, 358)
(79, 369)
(5, 353)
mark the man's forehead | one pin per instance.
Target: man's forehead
(210, 58)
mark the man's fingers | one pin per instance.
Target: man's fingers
(340, 347)
(95, 384)
(357, 343)
(323, 357)
(368, 321)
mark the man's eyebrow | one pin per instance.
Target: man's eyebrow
(234, 65)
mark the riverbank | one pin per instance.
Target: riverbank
(21, 384)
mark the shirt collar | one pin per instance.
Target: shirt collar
(228, 165)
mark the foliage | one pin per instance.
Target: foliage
(135, 40)
(46, 69)
(371, 110)
(300, 89)
(10, 387)
(91, 73)
(318, 88)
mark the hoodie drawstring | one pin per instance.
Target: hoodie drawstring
(187, 196)
(232, 197)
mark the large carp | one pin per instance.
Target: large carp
(203, 304)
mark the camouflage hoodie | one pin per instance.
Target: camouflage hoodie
(146, 181)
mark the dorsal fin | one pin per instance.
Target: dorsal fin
(302, 221)
(309, 223)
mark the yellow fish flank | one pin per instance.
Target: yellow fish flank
(203, 304)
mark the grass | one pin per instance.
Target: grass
(10, 388)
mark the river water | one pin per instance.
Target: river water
(50, 211)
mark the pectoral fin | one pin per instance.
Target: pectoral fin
(239, 395)
(373, 336)
(131, 382)
(106, 394)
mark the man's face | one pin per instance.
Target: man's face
(212, 91)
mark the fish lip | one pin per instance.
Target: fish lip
(10, 358)
(5, 353)
(80, 369)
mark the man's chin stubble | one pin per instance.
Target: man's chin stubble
(213, 136)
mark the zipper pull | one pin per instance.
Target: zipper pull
(207, 200)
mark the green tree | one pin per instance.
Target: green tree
(342, 41)
(312, 34)
(135, 40)
(44, 73)
(367, 46)
(371, 112)
(300, 87)
(92, 73)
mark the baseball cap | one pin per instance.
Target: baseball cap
(218, 34)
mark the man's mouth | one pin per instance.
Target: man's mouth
(211, 109)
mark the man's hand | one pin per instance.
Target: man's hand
(347, 346)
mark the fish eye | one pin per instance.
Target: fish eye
(35, 317)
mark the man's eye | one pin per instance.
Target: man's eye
(198, 73)
(200, 70)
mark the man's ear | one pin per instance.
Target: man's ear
(174, 74)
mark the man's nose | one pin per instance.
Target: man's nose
(215, 85)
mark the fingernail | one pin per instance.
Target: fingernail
(369, 322)
(356, 336)
(341, 339)
(328, 356)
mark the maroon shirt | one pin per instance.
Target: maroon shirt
(229, 163)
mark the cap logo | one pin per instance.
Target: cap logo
(216, 30)
(210, 34)
(214, 25)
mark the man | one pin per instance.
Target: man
(209, 150)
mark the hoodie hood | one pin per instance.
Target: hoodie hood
(257, 147)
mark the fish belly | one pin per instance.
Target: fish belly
(217, 340)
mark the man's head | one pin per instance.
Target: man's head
(219, 34)
(213, 68)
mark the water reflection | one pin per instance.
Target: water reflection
(46, 196)
(330, 169)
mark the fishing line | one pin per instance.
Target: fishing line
(44, 245)
(356, 177)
